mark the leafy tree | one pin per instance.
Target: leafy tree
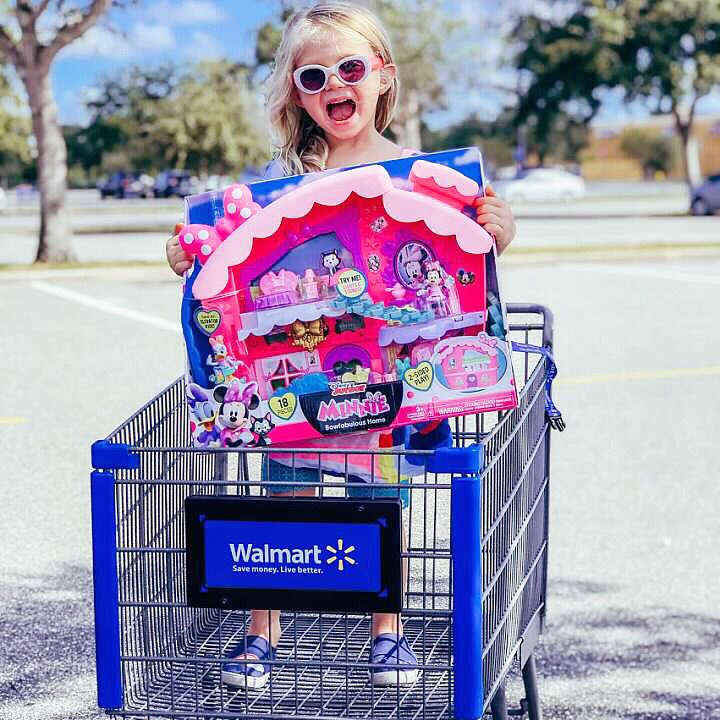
(561, 63)
(423, 34)
(653, 152)
(671, 58)
(124, 115)
(32, 54)
(15, 151)
(664, 52)
(205, 120)
(88, 146)
(211, 122)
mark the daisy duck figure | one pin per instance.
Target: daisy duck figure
(435, 293)
(225, 367)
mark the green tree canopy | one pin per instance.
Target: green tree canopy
(663, 52)
(423, 35)
(212, 121)
(15, 149)
(123, 115)
(206, 120)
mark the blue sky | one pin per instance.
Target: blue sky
(155, 31)
(188, 31)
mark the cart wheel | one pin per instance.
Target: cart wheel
(529, 673)
(498, 704)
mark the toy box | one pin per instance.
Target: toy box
(346, 301)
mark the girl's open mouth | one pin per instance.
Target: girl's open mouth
(340, 110)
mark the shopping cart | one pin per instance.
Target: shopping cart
(474, 605)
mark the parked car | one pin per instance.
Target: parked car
(175, 183)
(3, 200)
(123, 184)
(706, 197)
(542, 184)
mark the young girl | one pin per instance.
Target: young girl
(331, 95)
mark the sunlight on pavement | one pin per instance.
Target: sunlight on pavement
(638, 375)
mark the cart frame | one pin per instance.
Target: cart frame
(481, 568)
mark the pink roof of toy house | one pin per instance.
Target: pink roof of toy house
(440, 193)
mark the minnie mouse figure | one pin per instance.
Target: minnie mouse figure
(410, 259)
(435, 289)
(236, 402)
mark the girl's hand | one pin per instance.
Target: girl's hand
(495, 216)
(177, 258)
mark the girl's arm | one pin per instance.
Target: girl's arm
(495, 215)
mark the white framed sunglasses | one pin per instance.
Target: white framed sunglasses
(352, 70)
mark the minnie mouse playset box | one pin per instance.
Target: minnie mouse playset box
(346, 301)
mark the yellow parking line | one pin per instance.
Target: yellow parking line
(12, 420)
(638, 375)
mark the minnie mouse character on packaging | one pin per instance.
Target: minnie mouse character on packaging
(236, 402)
(435, 289)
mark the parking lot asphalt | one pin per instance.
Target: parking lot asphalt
(633, 621)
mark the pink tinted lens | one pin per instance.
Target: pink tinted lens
(352, 71)
(312, 79)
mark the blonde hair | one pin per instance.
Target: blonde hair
(301, 144)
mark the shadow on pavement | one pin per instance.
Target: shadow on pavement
(47, 651)
(599, 658)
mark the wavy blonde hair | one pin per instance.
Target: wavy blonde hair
(300, 142)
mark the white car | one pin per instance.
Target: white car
(3, 200)
(542, 184)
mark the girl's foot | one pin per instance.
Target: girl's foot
(242, 671)
(392, 661)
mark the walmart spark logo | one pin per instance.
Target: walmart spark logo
(340, 555)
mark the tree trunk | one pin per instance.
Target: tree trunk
(684, 131)
(55, 243)
(684, 134)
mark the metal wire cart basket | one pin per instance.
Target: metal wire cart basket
(476, 524)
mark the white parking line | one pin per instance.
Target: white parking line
(106, 307)
(643, 272)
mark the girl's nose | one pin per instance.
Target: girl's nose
(335, 82)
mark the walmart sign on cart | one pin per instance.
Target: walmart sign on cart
(293, 554)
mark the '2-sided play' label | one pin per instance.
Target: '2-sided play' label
(207, 320)
(420, 377)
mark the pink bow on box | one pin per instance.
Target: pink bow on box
(487, 344)
(202, 240)
(240, 393)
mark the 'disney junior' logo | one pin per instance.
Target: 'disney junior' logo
(340, 555)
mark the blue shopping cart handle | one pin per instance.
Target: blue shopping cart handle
(554, 415)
